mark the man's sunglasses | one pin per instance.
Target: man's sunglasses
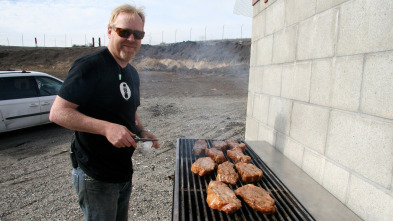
(125, 33)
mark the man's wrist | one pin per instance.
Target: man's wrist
(141, 131)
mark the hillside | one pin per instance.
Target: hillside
(210, 56)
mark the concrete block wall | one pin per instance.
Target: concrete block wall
(321, 92)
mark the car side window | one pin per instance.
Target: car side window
(48, 86)
(17, 88)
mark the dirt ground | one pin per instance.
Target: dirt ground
(187, 91)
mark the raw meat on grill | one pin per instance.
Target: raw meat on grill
(221, 197)
(238, 156)
(199, 147)
(257, 198)
(232, 144)
(219, 145)
(226, 173)
(249, 172)
(216, 155)
(203, 166)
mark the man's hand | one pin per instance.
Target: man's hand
(119, 136)
(147, 134)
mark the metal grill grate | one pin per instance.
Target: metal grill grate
(189, 197)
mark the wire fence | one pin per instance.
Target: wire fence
(153, 38)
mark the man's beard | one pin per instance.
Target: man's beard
(127, 56)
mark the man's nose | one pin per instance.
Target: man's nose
(131, 37)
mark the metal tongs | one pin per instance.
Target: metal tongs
(138, 139)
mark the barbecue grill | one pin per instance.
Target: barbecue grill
(190, 191)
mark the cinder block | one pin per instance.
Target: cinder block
(377, 96)
(264, 50)
(253, 53)
(336, 180)
(256, 9)
(275, 17)
(261, 108)
(348, 82)
(309, 126)
(294, 151)
(284, 45)
(363, 145)
(323, 5)
(299, 10)
(280, 114)
(271, 83)
(322, 82)
(251, 129)
(368, 201)
(337, 82)
(258, 26)
(267, 134)
(316, 37)
(296, 81)
(258, 79)
(365, 26)
(250, 104)
(313, 165)
(251, 79)
(281, 142)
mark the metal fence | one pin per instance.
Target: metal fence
(201, 33)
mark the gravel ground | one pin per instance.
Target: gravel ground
(35, 182)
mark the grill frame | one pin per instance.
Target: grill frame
(189, 191)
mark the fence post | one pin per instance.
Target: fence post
(93, 41)
(99, 42)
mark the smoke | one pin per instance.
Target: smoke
(204, 57)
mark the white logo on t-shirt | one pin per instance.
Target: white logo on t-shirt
(125, 91)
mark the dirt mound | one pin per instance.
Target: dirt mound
(209, 56)
(55, 61)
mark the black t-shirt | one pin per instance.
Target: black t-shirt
(105, 91)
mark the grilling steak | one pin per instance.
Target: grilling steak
(216, 155)
(226, 173)
(203, 166)
(238, 156)
(199, 147)
(232, 144)
(249, 172)
(257, 198)
(221, 197)
(219, 145)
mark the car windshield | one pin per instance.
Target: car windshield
(48, 86)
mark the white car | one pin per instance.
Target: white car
(26, 98)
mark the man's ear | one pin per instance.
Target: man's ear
(109, 32)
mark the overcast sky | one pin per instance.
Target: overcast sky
(68, 22)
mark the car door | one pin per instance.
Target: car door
(48, 88)
(19, 103)
(2, 123)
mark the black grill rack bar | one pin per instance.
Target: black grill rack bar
(189, 195)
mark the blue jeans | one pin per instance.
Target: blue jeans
(99, 200)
